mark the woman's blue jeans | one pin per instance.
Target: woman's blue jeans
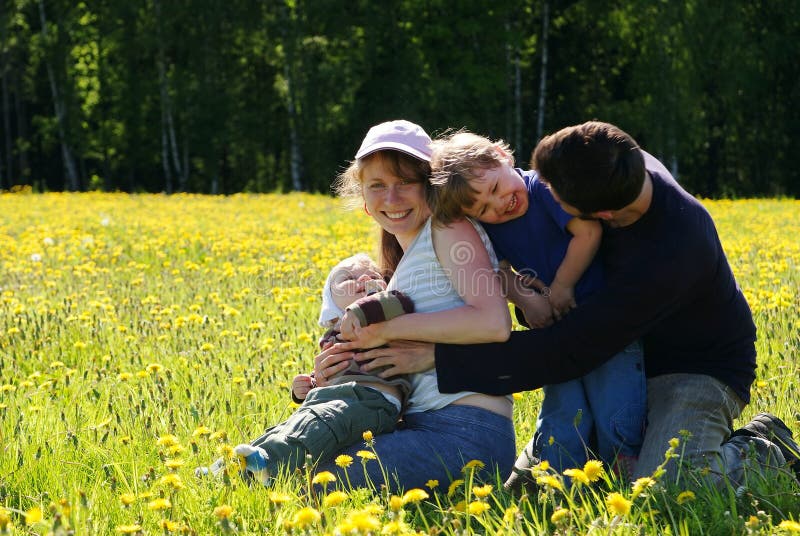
(432, 445)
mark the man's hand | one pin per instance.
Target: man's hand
(399, 357)
(301, 385)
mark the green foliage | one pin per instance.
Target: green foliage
(249, 88)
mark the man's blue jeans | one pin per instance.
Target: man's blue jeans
(699, 410)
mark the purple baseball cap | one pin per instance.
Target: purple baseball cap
(400, 135)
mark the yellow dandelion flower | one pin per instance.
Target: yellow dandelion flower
(305, 516)
(174, 464)
(395, 527)
(454, 486)
(544, 465)
(510, 514)
(159, 504)
(395, 503)
(225, 450)
(201, 431)
(432, 483)
(167, 441)
(364, 522)
(154, 368)
(617, 504)
(460, 506)
(219, 435)
(482, 491)
(559, 516)
(223, 511)
(334, 499)
(473, 465)
(324, 478)
(174, 450)
(752, 523)
(169, 525)
(593, 469)
(551, 482)
(577, 476)
(279, 498)
(171, 480)
(477, 508)
(366, 455)
(685, 496)
(789, 525)
(343, 461)
(129, 529)
(414, 496)
(56, 364)
(641, 485)
(367, 436)
(127, 499)
(5, 520)
(207, 346)
(7, 388)
(33, 516)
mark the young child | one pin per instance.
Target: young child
(335, 416)
(553, 253)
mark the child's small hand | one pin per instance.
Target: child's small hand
(348, 326)
(537, 310)
(562, 299)
(301, 385)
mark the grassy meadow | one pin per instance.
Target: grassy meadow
(144, 335)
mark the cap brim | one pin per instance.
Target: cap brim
(403, 148)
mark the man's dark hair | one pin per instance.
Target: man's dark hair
(593, 166)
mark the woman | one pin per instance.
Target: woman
(447, 273)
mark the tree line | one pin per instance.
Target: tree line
(275, 95)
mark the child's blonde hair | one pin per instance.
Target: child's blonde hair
(458, 159)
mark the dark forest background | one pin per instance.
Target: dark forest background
(232, 95)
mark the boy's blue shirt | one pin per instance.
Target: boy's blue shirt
(537, 241)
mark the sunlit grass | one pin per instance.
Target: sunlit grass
(142, 336)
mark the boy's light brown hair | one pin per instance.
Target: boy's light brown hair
(458, 159)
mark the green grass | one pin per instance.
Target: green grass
(128, 319)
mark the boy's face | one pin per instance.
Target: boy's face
(354, 281)
(502, 195)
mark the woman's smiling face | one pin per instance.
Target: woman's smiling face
(396, 203)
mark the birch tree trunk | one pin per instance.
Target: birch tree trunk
(9, 160)
(296, 163)
(295, 155)
(543, 71)
(58, 104)
(22, 131)
(168, 141)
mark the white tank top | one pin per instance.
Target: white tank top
(420, 276)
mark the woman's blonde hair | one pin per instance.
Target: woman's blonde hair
(348, 186)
